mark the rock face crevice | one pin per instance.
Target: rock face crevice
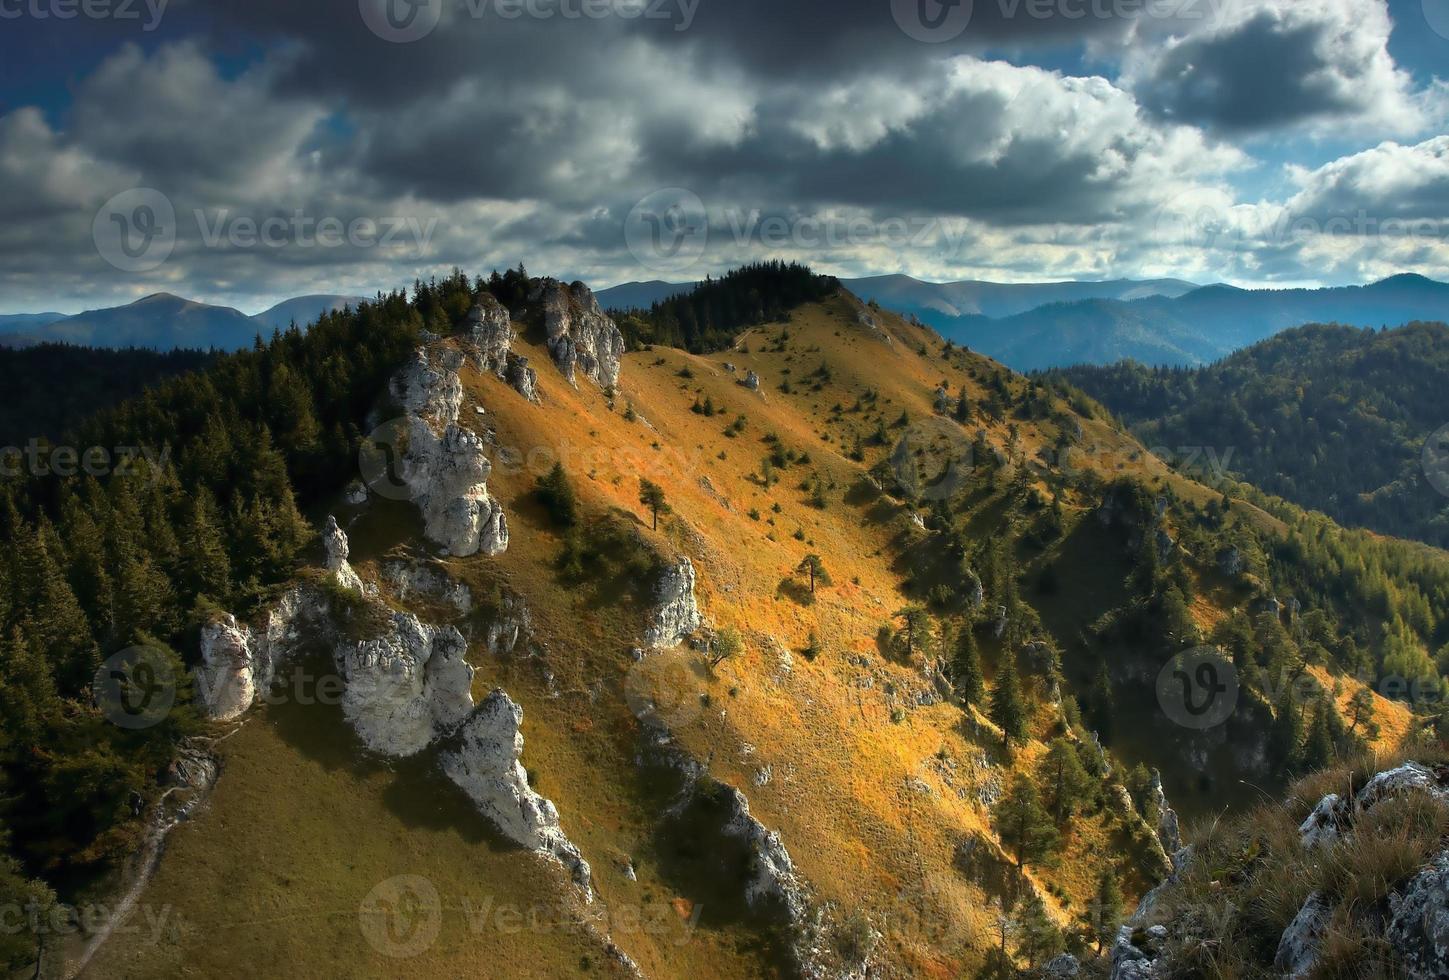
(676, 612)
(444, 466)
(486, 766)
(581, 336)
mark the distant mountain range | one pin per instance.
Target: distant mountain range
(932, 301)
(163, 322)
(1157, 321)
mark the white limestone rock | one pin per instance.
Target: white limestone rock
(226, 679)
(581, 336)
(238, 663)
(407, 686)
(429, 580)
(772, 873)
(334, 539)
(490, 331)
(486, 766)
(444, 466)
(511, 625)
(676, 614)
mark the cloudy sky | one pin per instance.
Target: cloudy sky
(243, 151)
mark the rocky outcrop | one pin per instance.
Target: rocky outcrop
(429, 581)
(1136, 952)
(1333, 816)
(1419, 929)
(406, 686)
(581, 337)
(490, 331)
(511, 625)
(1302, 941)
(238, 663)
(491, 336)
(772, 873)
(676, 614)
(444, 466)
(227, 677)
(1168, 831)
(486, 766)
(751, 381)
(334, 539)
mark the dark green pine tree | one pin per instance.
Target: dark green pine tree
(1008, 707)
(1023, 824)
(1065, 783)
(966, 668)
(1107, 910)
(54, 621)
(205, 565)
(1285, 737)
(1319, 749)
(1039, 939)
(1099, 703)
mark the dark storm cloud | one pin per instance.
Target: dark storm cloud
(1273, 63)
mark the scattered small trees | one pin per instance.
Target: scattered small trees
(1008, 707)
(558, 498)
(915, 630)
(1064, 779)
(966, 668)
(813, 567)
(1023, 824)
(727, 644)
(1107, 910)
(651, 495)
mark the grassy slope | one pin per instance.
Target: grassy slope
(298, 829)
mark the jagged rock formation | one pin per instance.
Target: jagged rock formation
(752, 381)
(581, 336)
(1419, 929)
(1168, 831)
(772, 875)
(1299, 948)
(1334, 816)
(334, 539)
(511, 625)
(406, 686)
(444, 466)
(430, 580)
(676, 613)
(238, 663)
(486, 766)
(227, 679)
(490, 333)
